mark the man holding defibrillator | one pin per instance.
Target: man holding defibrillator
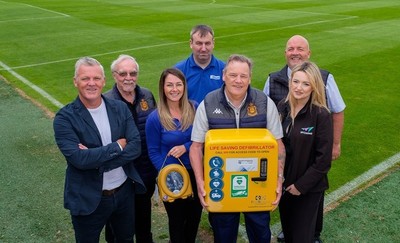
(228, 107)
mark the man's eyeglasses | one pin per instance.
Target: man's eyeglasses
(125, 74)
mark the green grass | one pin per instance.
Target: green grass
(32, 175)
(370, 216)
(32, 186)
(356, 40)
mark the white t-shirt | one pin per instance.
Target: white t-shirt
(113, 178)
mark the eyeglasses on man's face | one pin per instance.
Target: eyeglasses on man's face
(125, 74)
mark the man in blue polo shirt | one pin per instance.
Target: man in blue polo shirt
(202, 70)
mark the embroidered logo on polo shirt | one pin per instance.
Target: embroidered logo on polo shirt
(306, 130)
(215, 77)
(144, 105)
(217, 111)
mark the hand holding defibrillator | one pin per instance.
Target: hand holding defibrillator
(177, 151)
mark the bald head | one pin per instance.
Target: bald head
(297, 51)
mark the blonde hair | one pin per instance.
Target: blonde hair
(313, 73)
(185, 105)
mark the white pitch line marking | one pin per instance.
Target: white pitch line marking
(181, 42)
(46, 10)
(352, 185)
(33, 86)
(288, 27)
(30, 19)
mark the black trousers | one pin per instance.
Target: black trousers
(298, 216)
(142, 217)
(320, 217)
(184, 216)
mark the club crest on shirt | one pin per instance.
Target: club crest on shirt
(251, 110)
(143, 105)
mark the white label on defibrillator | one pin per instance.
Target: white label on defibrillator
(241, 164)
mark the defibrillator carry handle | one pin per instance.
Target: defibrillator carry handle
(263, 170)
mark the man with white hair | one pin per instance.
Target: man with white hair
(141, 102)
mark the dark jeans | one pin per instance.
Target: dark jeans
(142, 216)
(225, 226)
(116, 209)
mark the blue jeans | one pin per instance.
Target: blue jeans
(117, 208)
(225, 226)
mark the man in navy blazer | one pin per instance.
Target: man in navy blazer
(99, 140)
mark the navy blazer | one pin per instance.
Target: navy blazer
(73, 124)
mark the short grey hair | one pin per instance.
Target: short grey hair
(87, 61)
(239, 58)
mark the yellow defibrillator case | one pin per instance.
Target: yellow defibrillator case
(173, 182)
(240, 170)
